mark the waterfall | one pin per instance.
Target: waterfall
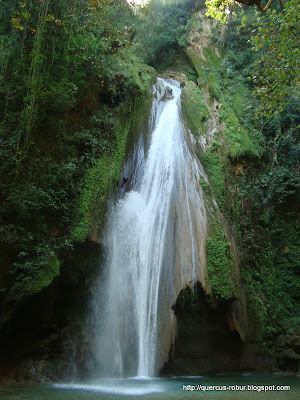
(156, 240)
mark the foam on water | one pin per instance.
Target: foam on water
(116, 386)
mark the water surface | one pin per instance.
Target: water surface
(161, 388)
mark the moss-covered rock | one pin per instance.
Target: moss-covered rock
(194, 109)
(221, 268)
(215, 166)
(204, 343)
(98, 183)
(105, 173)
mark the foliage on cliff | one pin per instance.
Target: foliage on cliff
(275, 38)
(277, 69)
(193, 107)
(68, 77)
(219, 9)
(162, 29)
(257, 189)
(221, 268)
(268, 186)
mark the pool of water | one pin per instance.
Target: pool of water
(242, 387)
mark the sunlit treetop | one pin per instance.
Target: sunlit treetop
(276, 40)
(219, 9)
(277, 71)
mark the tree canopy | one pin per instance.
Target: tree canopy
(275, 39)
(277, 71)
(220, 8)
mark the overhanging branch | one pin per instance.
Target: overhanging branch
(264, 9)
(257, 3)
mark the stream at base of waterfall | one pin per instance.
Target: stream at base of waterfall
(239, 387)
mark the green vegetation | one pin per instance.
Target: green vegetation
(215, 166)
(252, 162)
(194, 109)
(101, 177)
(68, 80)
(205, 186)
(239, 142)
(269, 235)
(216, 79)
(253, 168)
(276, 71)
(213, 77)
(162, 29)
(275, 38)
(268, 185)
(218, 9)
(221, 268)
(98, 181)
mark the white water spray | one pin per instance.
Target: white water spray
(156, 239)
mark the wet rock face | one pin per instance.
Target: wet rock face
(168, 94)
(205, 344)
(288, 353)
(44, 371)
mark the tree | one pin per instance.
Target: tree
(257, 3)
(65, 67)
(219, 8)
(275, 39)
(278, 65)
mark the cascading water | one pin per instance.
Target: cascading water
(156, 239)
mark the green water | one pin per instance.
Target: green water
(220, 387)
